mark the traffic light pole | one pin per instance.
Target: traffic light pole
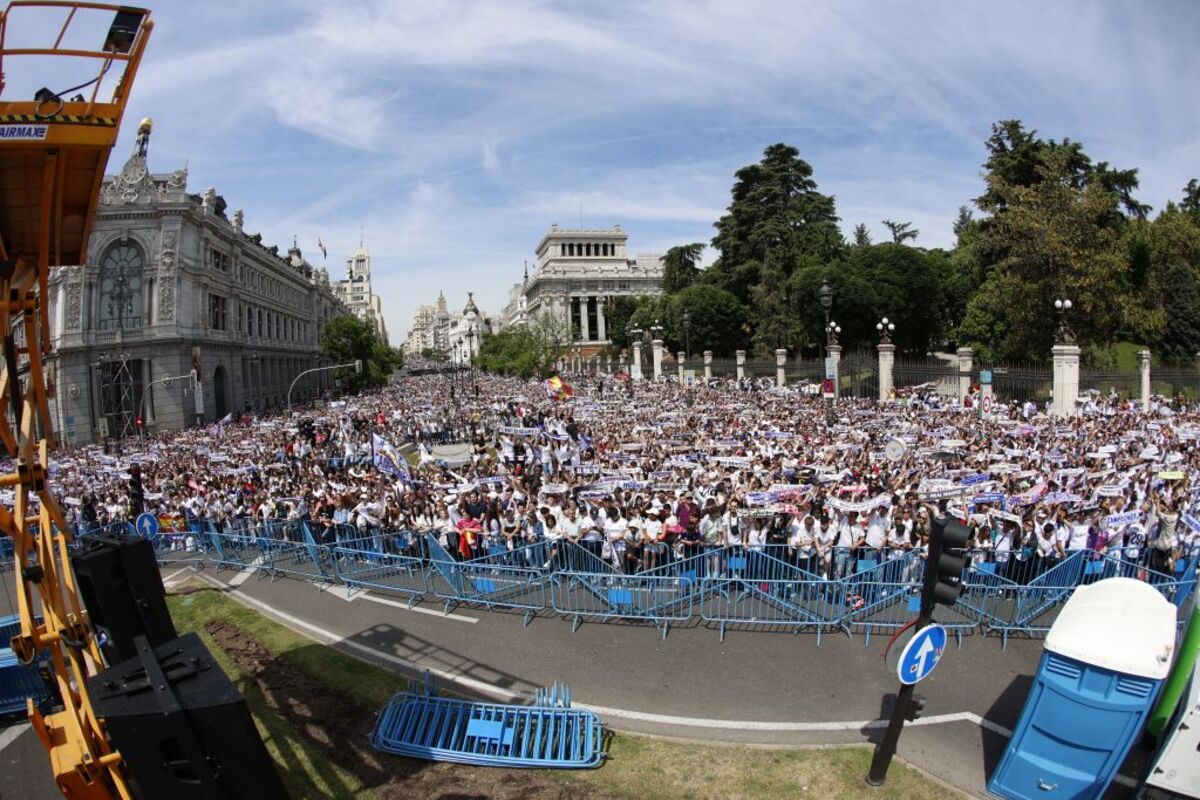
(942, 585)
(887, 747)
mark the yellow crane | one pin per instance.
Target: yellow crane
(53, 152)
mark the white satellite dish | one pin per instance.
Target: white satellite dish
(895, 449)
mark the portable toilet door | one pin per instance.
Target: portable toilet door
(1105, 659)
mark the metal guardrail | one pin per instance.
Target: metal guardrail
(773, 587)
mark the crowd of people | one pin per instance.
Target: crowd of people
(642, 475)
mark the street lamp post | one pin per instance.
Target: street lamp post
(885, 329)
(1064, 335)
(356, 363)
(832, 329)
(825, 296)
(166, 381)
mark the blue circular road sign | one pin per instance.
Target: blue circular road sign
(147, 525)
(922, 654)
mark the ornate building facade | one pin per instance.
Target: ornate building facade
(577, 274)
(180, 317)
(355, 292)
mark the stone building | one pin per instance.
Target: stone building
(181, 316)
(577, 274)
(355, 292)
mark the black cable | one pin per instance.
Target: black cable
(107, 64)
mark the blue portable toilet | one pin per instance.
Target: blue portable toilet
(1105, 658)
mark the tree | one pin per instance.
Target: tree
(776, 216)
(862, 237)
(1178, 339)
(1191, 198)
(963, 223)
(514, 351)
(1055, 238)
(900, 231)
(346, 339)
(717, 319)
(680, 266)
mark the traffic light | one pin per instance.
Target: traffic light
(944, 566)
(137, 494)
(916, 707)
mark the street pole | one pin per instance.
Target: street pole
(357, 364)
(887, 746)
(166, 380)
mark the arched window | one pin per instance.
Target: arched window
(121, 287)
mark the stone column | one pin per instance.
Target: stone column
(585, 333)
(835, 352)
(601, 328)
(1144, 366)
(1066, 378)
(707, 365)
(656, 348)
(965, 356)
(637, 359)
(887, 361)
(741, 363)
(681, 358)
(780, 367)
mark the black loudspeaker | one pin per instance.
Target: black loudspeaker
(182, 727)
(122, 589)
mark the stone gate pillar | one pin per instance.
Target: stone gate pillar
(1066, 378)
(1144, 366)
(965, 363)
(707, 365)
(637, 360)
(887, 362)
(780, 367)
(741, 363)
(656, 348)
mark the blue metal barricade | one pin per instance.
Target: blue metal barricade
(883, 595)
(358, 564)
(291, 550)
(19, 681)
(240, 550)
(495, 581)
(419, 725)
(1035, 605)
(660, 599)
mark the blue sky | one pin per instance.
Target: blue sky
(454, 133)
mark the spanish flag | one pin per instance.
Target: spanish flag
(556, 389)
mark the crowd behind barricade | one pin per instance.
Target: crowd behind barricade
(644, 477)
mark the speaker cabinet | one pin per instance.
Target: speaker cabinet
(123, 591)
(182, 727)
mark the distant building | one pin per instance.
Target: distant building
(429, 329)
(578, 273)
(175, 289)
(355, 292)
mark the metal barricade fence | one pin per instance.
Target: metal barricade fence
(883, 595)
(362, 564)
(660, 599)
(504, 580)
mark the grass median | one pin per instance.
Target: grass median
(315, 705)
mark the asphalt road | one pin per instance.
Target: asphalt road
(755, 687)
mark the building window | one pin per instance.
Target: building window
(217, 309)
(121, 287)
(218, 260)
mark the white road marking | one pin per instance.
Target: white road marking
(10, 735)
(170, 581)
(244, 575)
(405, 607)
(329, 637)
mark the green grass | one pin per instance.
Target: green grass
(638, 768)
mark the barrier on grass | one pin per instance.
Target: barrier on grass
(548, 734)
